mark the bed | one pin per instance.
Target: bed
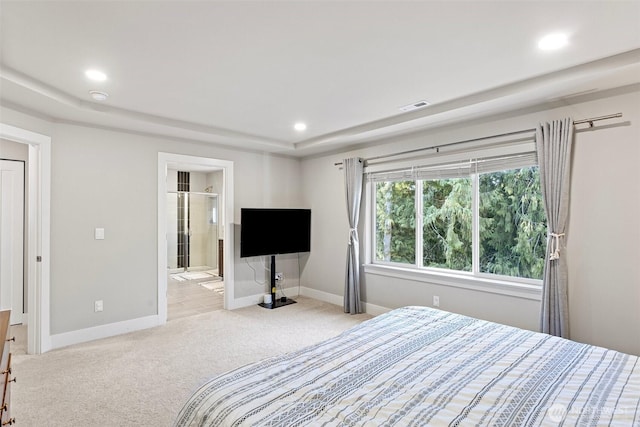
(417, 366)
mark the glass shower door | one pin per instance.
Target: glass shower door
(203, 231)
(177, 232)
(192, 232)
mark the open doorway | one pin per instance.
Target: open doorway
(36, 233)
(195, 240)
(13, 272)
(195, 213)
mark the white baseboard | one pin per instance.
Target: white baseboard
(375, 310)
(112, 329)
(103, 331)
(372, 309)
(245, 301)
(322, 296)
(257, 299)
(291, 293)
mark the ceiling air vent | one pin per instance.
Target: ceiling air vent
(414, 106)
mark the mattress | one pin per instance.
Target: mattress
(417, 366)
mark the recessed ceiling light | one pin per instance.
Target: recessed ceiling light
(553, 41)
(98, 96)
(300, 126)
(96, 75)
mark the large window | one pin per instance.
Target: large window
(446, 223)
(396, 219)
(488, 220)
(513, 225)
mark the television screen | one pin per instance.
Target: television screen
(265, 231)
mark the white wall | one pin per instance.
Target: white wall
(275, 184)
(108, 179)
(604, 245)
(603, 242)
(10, 150)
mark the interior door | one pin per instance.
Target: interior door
(12, 238)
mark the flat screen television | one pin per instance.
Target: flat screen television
(269, 231)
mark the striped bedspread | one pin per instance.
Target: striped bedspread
(417, 366)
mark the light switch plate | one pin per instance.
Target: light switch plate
(99, 233)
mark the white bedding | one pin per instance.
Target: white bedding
(417, 366)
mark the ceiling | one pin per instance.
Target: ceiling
(242, 73)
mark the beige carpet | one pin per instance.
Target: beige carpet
(143, 378)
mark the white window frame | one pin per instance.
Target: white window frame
(473, 280)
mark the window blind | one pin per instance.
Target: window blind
(457, 169)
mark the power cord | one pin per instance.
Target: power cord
(268, 270)
(279, 283)
(255, 279)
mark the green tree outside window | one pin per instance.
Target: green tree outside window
(447, 222)
(512, 223)
(396, 222)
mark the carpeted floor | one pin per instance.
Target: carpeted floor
(143, 378)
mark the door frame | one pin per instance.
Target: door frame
(38, 232)
(194, 163)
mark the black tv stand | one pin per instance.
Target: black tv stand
(275, 302)
(279, 303)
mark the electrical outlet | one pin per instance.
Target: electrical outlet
(279, 277)
(436, 301)
(98, 306)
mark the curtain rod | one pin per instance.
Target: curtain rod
(466, 141)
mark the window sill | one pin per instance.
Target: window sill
(481, 284)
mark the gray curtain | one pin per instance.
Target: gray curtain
(353, 169)
(554, 141)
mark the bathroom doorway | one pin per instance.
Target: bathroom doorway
(192, 237)
(220, 180)
(194, 243)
